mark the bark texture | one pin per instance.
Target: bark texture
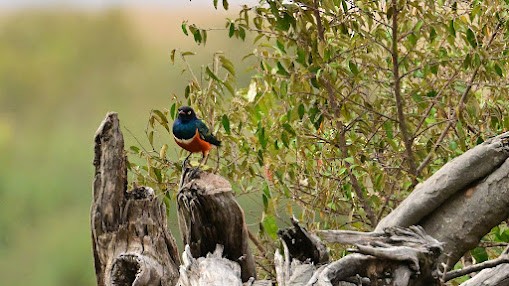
(131, 243)
(465, 218)
(454, 176)
(462, 201)
(209, 215)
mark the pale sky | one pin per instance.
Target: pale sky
(94, 4)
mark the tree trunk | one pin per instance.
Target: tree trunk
(209, 215)
(131, 242)
(462, 201)
(454, 176)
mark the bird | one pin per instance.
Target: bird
(192, 134)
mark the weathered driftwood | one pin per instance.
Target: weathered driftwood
(212, 270)
(131, 244)
(454, 176)
(209, 215)
(409, 254)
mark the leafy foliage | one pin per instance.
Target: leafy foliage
(352, 102)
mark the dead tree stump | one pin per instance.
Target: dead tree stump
(209, 215)
(131, 242)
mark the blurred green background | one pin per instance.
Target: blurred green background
(61, 70)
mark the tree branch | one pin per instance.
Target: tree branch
(459, 109)
(400, 104)
(504, 258)
(355, 184)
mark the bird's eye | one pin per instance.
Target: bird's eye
(189, 112)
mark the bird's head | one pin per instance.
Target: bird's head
(186, 113)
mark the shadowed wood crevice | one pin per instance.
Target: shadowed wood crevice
(303, 245)
(209, 215)
(131, 243)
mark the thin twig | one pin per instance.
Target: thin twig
(504, 258)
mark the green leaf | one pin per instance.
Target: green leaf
(261, 137)
(285, 140)
(388, 129)
(418, 26)
(467, 62)
(353, 67)
(318, 122)
(187, 91)
(226, 123)
(157, 173)
(344, 6)
(480, 254)
(228, 86)
(225, 4)
(172, 110)
(283, 24)
(197, 36)
(301, 56)
(135, 149)
(289, 129)
(227, 65)
(212, 75)
(231, 30)
(266, 190)
(215, 4)
(432, 34)
(242, 33)
(301, 111)
(498, 70)
(270, 227)
(434, 69)
(281, 70)
(184, 28)
(280, 46)
(161, 119)
(471, 38)
(452, 30)
(151, 137)
(390, 12)
(259, 157)
(265, 201)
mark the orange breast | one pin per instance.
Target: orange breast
(196, 144)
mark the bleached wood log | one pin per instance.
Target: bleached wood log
(213, 270)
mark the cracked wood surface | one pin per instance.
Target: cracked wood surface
(131, 243)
